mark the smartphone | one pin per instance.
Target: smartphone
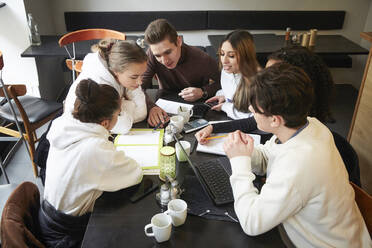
(211, 104)
(146, 187)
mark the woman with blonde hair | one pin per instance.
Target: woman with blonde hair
(121, 65)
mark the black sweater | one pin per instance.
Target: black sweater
(247, 125)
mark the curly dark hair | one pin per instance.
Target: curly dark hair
(319, 74)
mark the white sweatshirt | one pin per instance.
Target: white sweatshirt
(229, 84)
(307, 189)
(82, 163)
(132, 111)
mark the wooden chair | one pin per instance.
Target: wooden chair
(26, 113)
(364, 202)
(82, 35)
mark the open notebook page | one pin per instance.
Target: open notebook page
(215, 146)
(142, 145)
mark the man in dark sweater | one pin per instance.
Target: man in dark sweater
(180, 68)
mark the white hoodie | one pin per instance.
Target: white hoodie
(82, 163)
(307, 189)
(132, 110)
(229, 84)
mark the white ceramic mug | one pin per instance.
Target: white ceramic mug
(161, 225)
(185, 112)
(177, 121)
(177, 210)
(180, 154)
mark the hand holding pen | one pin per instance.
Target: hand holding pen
(203, 134)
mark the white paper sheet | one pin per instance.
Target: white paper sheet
(171, 107)
(215, 146)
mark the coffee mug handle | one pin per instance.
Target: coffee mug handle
(191, 112)
(147, 233)
(166, 212)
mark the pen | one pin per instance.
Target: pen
(157, 126)
(216, 137)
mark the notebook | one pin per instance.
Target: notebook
(143, 145)
(215, 146)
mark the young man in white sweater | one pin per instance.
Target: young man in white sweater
(307, 188)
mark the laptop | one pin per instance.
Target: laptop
(214, 177)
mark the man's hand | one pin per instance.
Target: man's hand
(238, 144)
(203, 134)
(191, 94)
(157, 115)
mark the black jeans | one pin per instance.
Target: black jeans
(59, 229)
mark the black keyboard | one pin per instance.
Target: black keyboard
(216, 178)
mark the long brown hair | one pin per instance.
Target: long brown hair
(242, 42)
(95, 102)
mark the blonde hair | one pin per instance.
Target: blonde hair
(119, 54)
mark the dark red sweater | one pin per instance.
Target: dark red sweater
(194, 69)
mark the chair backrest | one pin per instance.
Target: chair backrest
(78, 64)
(83, 35)
(90, 34)
(14, 91)
(349, 156)
(364, 202)
(19, 220)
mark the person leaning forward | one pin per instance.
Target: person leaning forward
(178, 67)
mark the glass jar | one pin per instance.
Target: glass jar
(34, 35)
(167, 163)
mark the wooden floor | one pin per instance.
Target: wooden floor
(20, 169)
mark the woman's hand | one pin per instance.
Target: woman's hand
(219, 99)
(238, 144)
(203, 134)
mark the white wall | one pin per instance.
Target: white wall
(50, 16)
(42, 14)
(13, 41)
